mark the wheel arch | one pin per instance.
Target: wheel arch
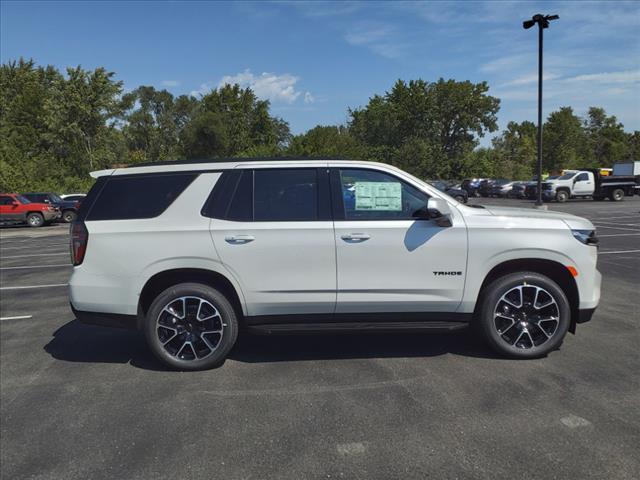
(550, 268)
(166, 278)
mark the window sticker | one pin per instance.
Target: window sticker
(378, 196)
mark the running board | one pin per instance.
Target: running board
(336, 327)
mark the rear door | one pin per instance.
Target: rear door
(389, 261)
(276, 237)
(9, 209)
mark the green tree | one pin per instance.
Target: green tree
(607, 139)
(515, 150)
(446, 117)
(330, 141)
(564, 141)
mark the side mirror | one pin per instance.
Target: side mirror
(439, 211)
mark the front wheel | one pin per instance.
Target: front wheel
(460, 199)
(562, 196)
(191, 326)
(524, 315)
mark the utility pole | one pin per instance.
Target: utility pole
(543, 22)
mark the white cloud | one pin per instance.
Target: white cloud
(170, 83)
(528, 79)
(629, 76)
(270, 86)
(308, 98)
(203, 90)
(378, 37)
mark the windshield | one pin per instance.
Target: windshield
(55, 197)
(439, 185)
(567, 176)
(22, 199)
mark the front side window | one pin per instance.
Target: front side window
(583, 177)
(285, 195)
(374, 195)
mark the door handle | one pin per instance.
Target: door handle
(356, 237)
(240, 238)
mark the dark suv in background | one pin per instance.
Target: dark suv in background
(69, 208)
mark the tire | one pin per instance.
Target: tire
(562, 196)
(35, 219)
(69, 216)
(617, 195)
(460, 198)
(182, 343)
(523, 338)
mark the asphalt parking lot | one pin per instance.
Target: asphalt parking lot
(82, 402)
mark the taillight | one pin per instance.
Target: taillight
(79, 240)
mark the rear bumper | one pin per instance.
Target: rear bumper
(115, 320)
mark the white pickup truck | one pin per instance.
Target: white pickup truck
(589, 182)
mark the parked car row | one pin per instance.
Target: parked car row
(597, 183)
(38, 208)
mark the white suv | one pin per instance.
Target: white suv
(190, 253)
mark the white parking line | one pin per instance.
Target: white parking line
(37, 255)
(35, 286)
(24, 267)
(31, 246)
(619, 235)
(19, 317)
(615, 224)
(618, 251)
(617, 228)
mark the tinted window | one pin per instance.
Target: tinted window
(286, 195)
(373, 195)
(140, 196)
(74, 198)
(241, 206)
(583, 177)
(6, 200)
(36, 197)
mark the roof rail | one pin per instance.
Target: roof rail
(235, 159)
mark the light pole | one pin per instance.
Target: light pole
(543, 22)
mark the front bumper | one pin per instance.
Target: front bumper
(50, 215)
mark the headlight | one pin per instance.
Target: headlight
(588, 237)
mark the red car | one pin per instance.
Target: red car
(15, 208)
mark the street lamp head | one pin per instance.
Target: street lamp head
(541, 20)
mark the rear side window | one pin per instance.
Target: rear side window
(140, 196)
(271, 195)
(286, 195)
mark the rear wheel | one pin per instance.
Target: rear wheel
(562, 196)
(35, 219)
(524, 315)
(191, 326)
(69, 216)
(617, 195)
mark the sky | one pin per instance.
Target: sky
(315, 60)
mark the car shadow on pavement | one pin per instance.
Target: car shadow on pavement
(80, 343)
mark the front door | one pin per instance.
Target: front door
(584, 184)
(277, 240)
(388, 261)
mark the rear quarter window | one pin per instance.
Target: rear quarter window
(135, 197)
